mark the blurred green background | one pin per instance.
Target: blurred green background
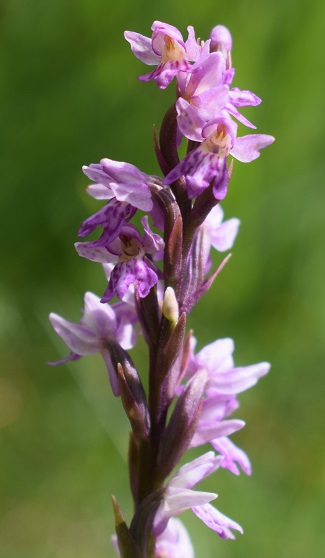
(69, 96)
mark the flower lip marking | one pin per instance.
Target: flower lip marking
(130, 248)
(219, 142)
(172, 50)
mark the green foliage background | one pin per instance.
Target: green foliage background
(69, 96)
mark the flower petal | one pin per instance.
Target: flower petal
(238, 379)
(111, 217)
(99, 192)
(246, 148)
(232, 454)
(71, 357)
(207, 74)
(152, 242)
(209, 103)
(216, 355)
(180, 499)
(78, 338)
(220, 523)
(141, 47)
(128, 183)
(223, 238)
(174, 541)
(241, 98)
(128, 273)
(111, 372)
(94, 254)
(99, 318)
(193, 472)
(222, 235)
(189, 121)
(206, 432)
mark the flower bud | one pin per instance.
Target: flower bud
(170, 306)
(220, 38)
(221, 41)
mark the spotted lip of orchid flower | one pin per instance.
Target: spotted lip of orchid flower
(129, 254)
(206, 164)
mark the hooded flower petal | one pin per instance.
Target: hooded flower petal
(123, 181)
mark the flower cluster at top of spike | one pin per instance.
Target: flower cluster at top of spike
(159, 273)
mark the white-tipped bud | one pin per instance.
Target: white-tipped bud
(170, 306)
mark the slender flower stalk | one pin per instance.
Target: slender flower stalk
(158, 273)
